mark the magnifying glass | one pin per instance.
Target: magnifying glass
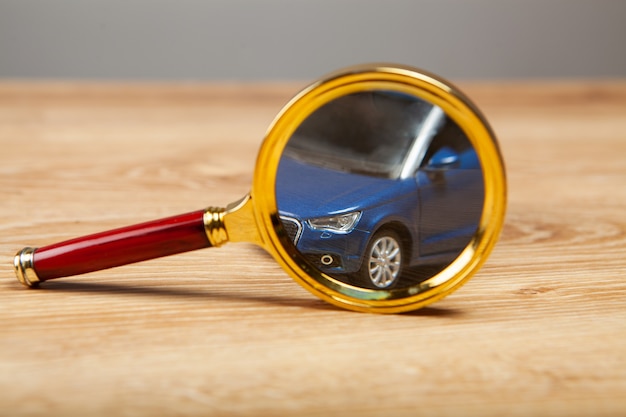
(378, 188)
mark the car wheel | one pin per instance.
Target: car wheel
(382, 263)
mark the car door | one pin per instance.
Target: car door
(450, 185)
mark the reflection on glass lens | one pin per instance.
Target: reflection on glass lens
(379, 189)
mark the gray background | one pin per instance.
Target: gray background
(297, 39)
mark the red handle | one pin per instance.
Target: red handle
(122, 246)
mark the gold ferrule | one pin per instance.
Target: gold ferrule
(24, 268)
(214, 226)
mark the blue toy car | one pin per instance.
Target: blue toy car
(373, 186)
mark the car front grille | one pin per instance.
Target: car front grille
(292, 227)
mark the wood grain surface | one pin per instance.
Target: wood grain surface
(539, 331)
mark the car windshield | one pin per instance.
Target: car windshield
(367, 133)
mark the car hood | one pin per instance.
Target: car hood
(307, 191)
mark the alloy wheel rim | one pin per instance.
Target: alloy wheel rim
(385, 262)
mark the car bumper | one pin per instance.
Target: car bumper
(339, 253)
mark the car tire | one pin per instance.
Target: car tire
(383, 261)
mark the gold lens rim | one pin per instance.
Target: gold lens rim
(401, 79)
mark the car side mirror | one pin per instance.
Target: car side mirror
(445, 158)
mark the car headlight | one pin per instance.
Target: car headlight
(338, 223)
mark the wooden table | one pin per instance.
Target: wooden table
(540, 330)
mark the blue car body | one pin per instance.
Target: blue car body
(437, 226)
